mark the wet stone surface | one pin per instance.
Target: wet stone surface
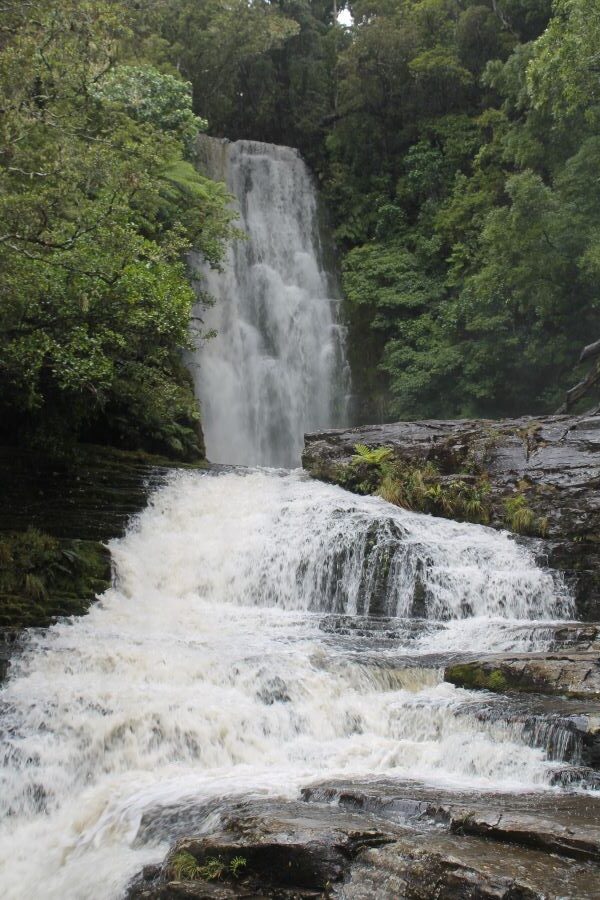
(572, 675)
(386, 840)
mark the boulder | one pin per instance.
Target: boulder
(296, 851)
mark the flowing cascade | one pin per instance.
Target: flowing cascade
(211, 670)
(276, 368)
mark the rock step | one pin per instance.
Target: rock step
(567, 824)
(573, 675)
(550, 463)
(567, 730)
(312, 850)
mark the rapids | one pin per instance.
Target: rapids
(210, 670)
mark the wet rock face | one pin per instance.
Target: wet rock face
(89, 496)
(386, 840)
(549, 465)
(574, 675)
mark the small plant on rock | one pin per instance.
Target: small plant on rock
(519, 516)
(237, 865)
(212, 869)
(185, 867)
(375, 456)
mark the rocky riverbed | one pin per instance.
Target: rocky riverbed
(385, 840)
(393, 838)
(312, 695)
(358, 839)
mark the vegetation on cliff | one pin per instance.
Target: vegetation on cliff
(99, 202)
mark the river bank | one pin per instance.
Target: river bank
(56, 517)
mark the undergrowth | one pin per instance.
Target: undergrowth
(419, 488)
(42, 577)
(519, 517)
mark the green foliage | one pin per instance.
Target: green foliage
(98, 206)
(185, 867)
(375, 456)
(423, 490)
(471, 269)
(519, 516)
(457, 145)
(42, 577)
(237, 866)
(148, 95)
(418, 488)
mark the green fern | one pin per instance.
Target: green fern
(375, 456)
(185, 867)
(237, 865)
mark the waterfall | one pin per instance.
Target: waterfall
(264, 630)
(210, 670)
(276, 366)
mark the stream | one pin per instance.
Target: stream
(224, 663)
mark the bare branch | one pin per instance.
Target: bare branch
(590, 351)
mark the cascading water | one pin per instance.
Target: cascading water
(276, 367)
(231, 657)
(207, 672)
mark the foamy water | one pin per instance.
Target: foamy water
(205, 673)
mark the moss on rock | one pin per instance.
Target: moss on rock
(475, 677)
(43, 578)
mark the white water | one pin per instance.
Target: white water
(205, 672)
(275, 369)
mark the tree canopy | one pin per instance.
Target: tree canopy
(99, 202)
(457, 144)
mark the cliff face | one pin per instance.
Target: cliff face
(541, 478)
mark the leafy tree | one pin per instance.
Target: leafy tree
(98, 205)
(462, 174)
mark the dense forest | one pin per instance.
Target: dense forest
(457, 145)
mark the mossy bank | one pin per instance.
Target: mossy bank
(56, 517)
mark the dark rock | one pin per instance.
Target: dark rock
(552, 463)
(72, 506)
(8, 641)
(316, 850)
(567, 825)
(567, 730)
(449, 867)
(576, 776)
(573, 675)
(91, 495)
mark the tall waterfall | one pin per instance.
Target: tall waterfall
(276, 367)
